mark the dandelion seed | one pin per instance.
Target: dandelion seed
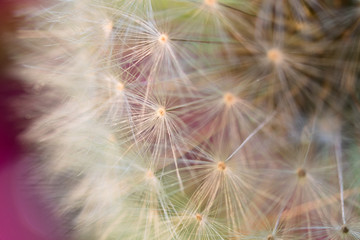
(191, 224)
(305, 175)
(227, 186)
(329, 227)
(224, 107)
(285, 58)
(114, 98)
(142, 46)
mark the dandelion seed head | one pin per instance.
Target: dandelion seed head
(163, 38)
(229, 99)
(301, 173)
(275, 56)
(161, 112)
(178, 119)
(221, 166)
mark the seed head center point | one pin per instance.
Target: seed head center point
(270, 237)
(301, 173)
(229, 99)
(163, 38)
(221, 166)
(344, 229)
(120, 86)
(198, 217)
(210, 3)
(275, 56)
(161, 112)
(150, 174)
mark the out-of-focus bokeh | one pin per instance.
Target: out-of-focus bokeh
(23, 215)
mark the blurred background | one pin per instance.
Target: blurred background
(23, 215)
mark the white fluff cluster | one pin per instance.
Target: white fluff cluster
(196, 119)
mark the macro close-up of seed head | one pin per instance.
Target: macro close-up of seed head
(192, 119)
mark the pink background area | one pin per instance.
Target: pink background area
(23, 216)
